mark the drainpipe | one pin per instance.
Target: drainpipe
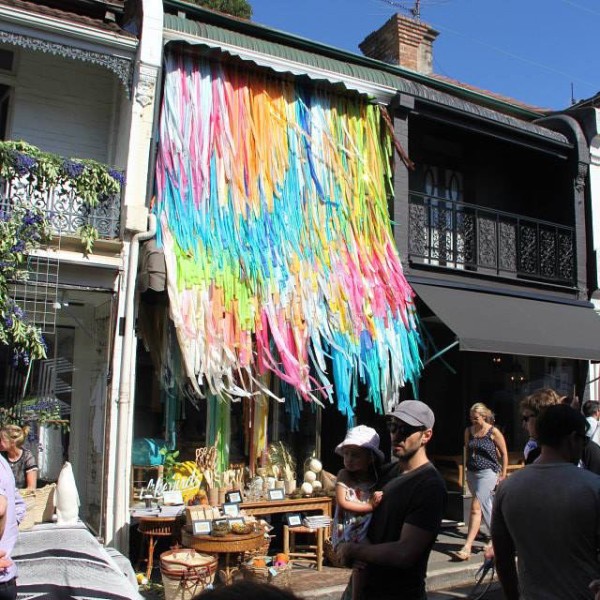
(125, 401)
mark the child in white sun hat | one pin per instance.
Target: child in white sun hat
(354, 491)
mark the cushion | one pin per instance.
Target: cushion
(39, 506)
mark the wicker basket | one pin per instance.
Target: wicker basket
(279, 576)
(262, 550)
(331, 555)
(185, 573)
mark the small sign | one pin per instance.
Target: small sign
(293, 520)
(276, 494)
(172, 497)
(237, 521)
(201, 527)
(221, 521)
(231, 509)
(233, 497)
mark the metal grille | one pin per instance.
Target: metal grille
(38, 296)
(465, 236)
(62, 207)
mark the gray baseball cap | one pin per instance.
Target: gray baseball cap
(414, 412)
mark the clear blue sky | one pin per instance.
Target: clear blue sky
(530, 50)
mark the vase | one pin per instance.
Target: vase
(213, 496)
(289, 486)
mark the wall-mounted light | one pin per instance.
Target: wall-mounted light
(62, 301)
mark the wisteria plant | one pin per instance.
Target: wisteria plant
(92, 181)
(21, 232)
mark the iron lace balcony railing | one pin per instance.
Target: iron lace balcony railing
(457, 235)
(63, 208)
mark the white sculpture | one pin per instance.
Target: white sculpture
(66, 497)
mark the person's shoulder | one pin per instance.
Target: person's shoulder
(431, 478)
(344, 477)
(436, 476)
(388, 471)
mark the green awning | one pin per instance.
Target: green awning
(305, 58)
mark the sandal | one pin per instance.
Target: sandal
(462, 554)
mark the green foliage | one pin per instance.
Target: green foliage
(30, 410)
(237, 8)
(21, 232)
(169, 463)
(88, 234)
(92, 181)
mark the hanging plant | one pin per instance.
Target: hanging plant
(21, 232)
(35, 410)
(92, 181)
(88, 234)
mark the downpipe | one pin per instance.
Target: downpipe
(124, 402)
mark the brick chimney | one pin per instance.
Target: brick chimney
(402, 41)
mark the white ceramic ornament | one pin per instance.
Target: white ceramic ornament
(66, 497)
(315, 465)
(310, 476)
(317, 485)
(307, 488)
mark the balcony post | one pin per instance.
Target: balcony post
(399, 210)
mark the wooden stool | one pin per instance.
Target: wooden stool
(311, 552)
(152, 528)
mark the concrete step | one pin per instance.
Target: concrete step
(330, 583)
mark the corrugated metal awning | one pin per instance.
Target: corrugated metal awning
(381, 84)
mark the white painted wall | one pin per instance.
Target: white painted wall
(64, 106)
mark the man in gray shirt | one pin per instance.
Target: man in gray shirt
(549, 515)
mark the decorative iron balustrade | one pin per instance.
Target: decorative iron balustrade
(457, 235)
(63, 208)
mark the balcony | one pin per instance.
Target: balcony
(461, 236)
(61, 205)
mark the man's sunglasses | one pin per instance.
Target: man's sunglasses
(403, 430)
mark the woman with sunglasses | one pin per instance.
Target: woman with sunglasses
(487, 461)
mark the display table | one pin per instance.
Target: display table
(322, 504)
(224, 547)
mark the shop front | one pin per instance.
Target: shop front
(495, 348)
(284, 313)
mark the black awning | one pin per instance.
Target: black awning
(487, 322)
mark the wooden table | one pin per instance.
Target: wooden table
(224, 546)
(322, 504)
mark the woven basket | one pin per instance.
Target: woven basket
(278, 576)
(331, 555)
(185, 573)
(262, 550)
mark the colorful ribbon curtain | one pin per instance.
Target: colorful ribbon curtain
(272, 209)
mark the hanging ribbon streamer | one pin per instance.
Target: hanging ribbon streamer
(218, 432)
(272, 209)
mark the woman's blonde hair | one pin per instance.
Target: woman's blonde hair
(481, 409)
(540, 399)
(14, 433)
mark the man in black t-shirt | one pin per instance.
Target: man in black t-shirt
(405, 524)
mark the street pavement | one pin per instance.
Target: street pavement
(446, 577)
